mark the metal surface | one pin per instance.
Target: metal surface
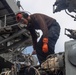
(69, 68)
(11, 32)
(13, 37)
(8, 7)
(70, 5)
(72, 55)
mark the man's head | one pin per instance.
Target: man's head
(22, 17)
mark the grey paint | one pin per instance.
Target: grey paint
(72, 55)
(69, 68)
(13, 5)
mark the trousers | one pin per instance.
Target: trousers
(53, 35)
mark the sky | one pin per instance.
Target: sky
(46, 7)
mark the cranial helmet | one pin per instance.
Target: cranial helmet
(25, 15)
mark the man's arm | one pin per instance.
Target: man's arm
(34, 37)
(44, 29)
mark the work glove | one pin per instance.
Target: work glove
(45, 45)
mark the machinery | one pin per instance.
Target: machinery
(14, 38)
(67, 5)
(61, 63)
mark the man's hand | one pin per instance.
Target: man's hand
(45, 45)
(34, 52)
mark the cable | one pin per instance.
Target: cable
(37, 72)
(69, 14)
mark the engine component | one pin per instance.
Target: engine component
(70, 57)
(64, 4)
(54, 62)
(72, 33)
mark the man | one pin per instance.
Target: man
(50, 28)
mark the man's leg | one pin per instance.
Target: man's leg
(53, 35)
